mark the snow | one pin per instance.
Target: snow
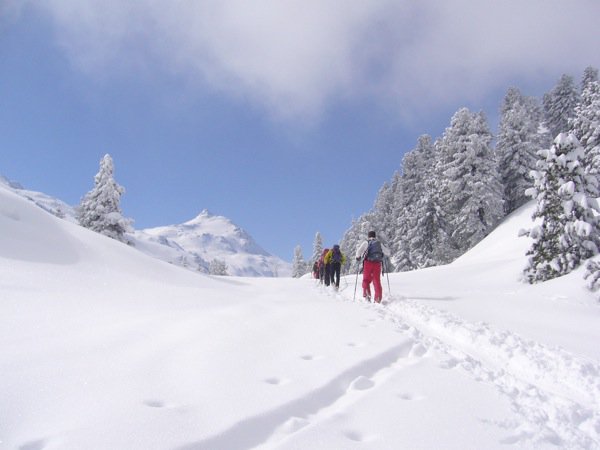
(193, 244)
(206, 237)
(104, 347)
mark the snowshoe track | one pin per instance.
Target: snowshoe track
(557, 393)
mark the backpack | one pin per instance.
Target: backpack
(374, 251)
(322, 258)
(336, 254)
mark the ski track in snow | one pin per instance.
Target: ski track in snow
(556, 393)
(270, 427)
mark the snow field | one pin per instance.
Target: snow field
(103, 347)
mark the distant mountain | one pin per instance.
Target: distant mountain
(196, 243)
(193, 244)
(44, 201)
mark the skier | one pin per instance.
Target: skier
(323, 272)
(335, 258)
(372, 252)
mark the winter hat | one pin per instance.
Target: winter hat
(371, 234)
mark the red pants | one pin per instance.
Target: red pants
(372, 273)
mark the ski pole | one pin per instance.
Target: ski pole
(387, 275)
(356, 281)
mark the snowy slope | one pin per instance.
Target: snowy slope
(44, 201)
(103, 347)
(193, 244)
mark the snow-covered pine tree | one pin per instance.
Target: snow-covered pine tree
(348, 242)
(394, 230)
(400, 256)
(592, 275)
(298, 264)
(590, 74)
(100, 209)
(474, 203)
(381, 211)
(381, 217)
(218, 267)
(417, 237)
(317, 247)
(559, 105)
(518, 141)
(60, 212)
(428, 238)
(586, 127)
(403, 209)
(536, 112)
(569, 230)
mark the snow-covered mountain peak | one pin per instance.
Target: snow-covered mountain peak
(207, 222)
(204, 214)
(12, 184)
(207, 237)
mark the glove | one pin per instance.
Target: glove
(358, 258)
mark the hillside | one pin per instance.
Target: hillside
(193, 244)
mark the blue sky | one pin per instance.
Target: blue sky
(286, 117)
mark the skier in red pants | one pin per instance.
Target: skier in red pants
(372, 252)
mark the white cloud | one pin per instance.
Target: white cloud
(293, 57)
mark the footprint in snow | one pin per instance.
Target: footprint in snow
(154, 403)
(356, 344)
(449, 363)
(294, 424)
(362, 384)
(309, 357)
(408, 396)
(357, 436)
(276, 381)
(417, 350)
(34, 445)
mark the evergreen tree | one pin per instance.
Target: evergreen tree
(404, 208)
(383, 211)
(428, 238)
(592, 275)
(100, 209)
(590, 74)
(536, 112)
(382, 215)
(586, 127)
(569, 232)
(559, 105)
(518, 141)
(60, 212)
(317, 247)
(419, 236)
(218, 267)
(348, 242)
(298, 264)
(396, 223)
(473, 204)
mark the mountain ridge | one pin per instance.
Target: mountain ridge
(193, 244)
